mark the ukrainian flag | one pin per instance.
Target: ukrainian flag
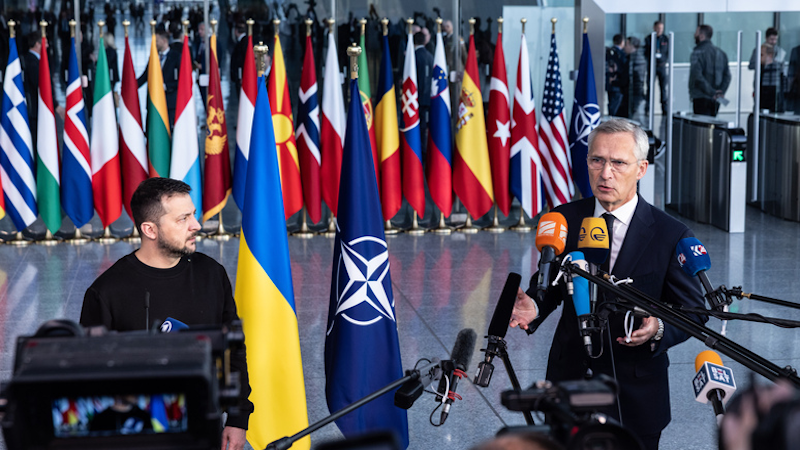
(265, 297)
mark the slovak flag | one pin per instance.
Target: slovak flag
(413, 176)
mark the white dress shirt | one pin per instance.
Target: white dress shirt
(622, 216)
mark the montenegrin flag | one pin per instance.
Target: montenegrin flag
(48, 164)
(265, 296)
(386, 133)
(135, 167)
(244, 126)
(472, 175)
(158, 134)
(284, 132)
(217, 180)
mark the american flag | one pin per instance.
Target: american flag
(557, 173)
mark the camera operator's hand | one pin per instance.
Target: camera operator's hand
(642, 335)
(524, 310)
(233, 438)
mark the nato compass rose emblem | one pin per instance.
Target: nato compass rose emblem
(586, 120)
(366, 296)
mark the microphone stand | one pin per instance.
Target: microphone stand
(679, 319)
(783, 323)
(736, 291)
(286, 442)
(502, 353)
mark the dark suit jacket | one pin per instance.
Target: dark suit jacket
(237, 59)
(424, 74)
(648, 257)
(30, 78)
(169, 70)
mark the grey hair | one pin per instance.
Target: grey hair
(611, 126)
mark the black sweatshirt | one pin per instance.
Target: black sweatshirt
(197, 291)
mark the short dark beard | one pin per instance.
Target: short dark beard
(172, 250)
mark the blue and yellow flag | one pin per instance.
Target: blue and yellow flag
(264, 294)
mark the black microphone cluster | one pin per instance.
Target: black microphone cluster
(498, 328)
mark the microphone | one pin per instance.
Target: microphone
(411, 390)
(580, 300)
(694, 260)
(173, 326)
(551, 238)
(498, 328)
(713, 381)
(147, 310)
(593, 242)
(456, 368)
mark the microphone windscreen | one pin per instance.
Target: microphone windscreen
(173, 325)
(552, 232)
(707, 356)
(580, 293)
(505, 306)
(463, 348)
(593, 240)
(692, 256)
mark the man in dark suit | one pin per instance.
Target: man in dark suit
(424, 61)
(30, 74)
(617, 77)
(237, 56)
(643, 241)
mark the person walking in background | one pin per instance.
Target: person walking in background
(661, 56)
(709, 74)
(617, 78)
(773, 60)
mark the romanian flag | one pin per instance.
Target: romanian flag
(284, 133)
(472, 175)
(48, 164)
(388, 137)
(265, 297)
(158, 133)
(366, 100)
(217, 180)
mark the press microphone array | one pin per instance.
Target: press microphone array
(593, 242)
(694, 260)
(454, 369)
(497, 329)
(551, 238)
(713, 382)
(578, 288)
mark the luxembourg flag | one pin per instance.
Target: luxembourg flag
(333, 124)
(247, 104)
(413, 176)
(185, 160)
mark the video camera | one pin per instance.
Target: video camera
(92, 389)
(574, 405)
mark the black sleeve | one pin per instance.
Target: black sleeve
(552, 299)
(95, 311)
(238, 363)
(143, 77)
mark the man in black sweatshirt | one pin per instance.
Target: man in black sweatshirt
(187, 286)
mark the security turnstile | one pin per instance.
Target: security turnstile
(777, 171)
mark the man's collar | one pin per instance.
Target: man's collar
(38, 56)
(624, 213)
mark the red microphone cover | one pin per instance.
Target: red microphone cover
(552, 232)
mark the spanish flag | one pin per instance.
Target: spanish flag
(217, 181)
(265, 296)
(288, 160)
(387, 135)
(472, 175)
(158, 133)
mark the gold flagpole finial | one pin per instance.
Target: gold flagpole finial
(11, 24)
(100, 25)
(353, 51)
(71, 28)
(250, 23)
(276, 26)
(472, 26)
(585, 25)
(43, 27)
(125, 25)
(385, 24)
(439, 24)
(363, 23)
(185, 27)
(499, 24)
(309, 22)
(213, 23)
(153, 27)
(410, 23)
(523, 21)
(331, 23)
(260, 52)
(554, 20)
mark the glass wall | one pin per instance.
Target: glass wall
(684, 26)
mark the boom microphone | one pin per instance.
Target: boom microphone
(497, 328)
(456, 368)
(551, 238)
(713, 381)
(694, 260)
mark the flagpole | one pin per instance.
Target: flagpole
(134, 237)
(388, 229)
(495, 228)
(521, 226)
(48, 240)
(415, 229)
(331, 231)
(77, 238)
(442, 228)
(304, 232)
(468, 227)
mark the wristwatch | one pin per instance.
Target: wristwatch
(659, 334)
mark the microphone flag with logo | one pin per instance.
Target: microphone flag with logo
(692, 256)
(362, 350)
(265, 295)
(593, 240)
(585, 118)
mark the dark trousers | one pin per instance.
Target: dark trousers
(650, 442)
(705, 106)
(662, 79)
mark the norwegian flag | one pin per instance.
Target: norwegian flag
(498, 129)
(525, 176)
(553, 141)
(308, 136)
(413, 176)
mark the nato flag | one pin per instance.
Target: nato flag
(362, 352)
(585, 118)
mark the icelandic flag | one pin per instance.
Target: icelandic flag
(413, 176)
(362, 351)
(585, 118)
(76, 168)
(440, 135)
(16, 148)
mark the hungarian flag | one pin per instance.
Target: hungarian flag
(526, 182)
(333, 124)
(498, 130)
(47, 161)
(106, 179)
(472, 175)
(244, 125)
(217, 180)
(158, 134)
(185, 158)
(440, 138)
(135, 167)
(553, 141)
(308, 136)
(413, 176)
(366, 100)
(386, 133)
(76, 170)
(278, 89)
